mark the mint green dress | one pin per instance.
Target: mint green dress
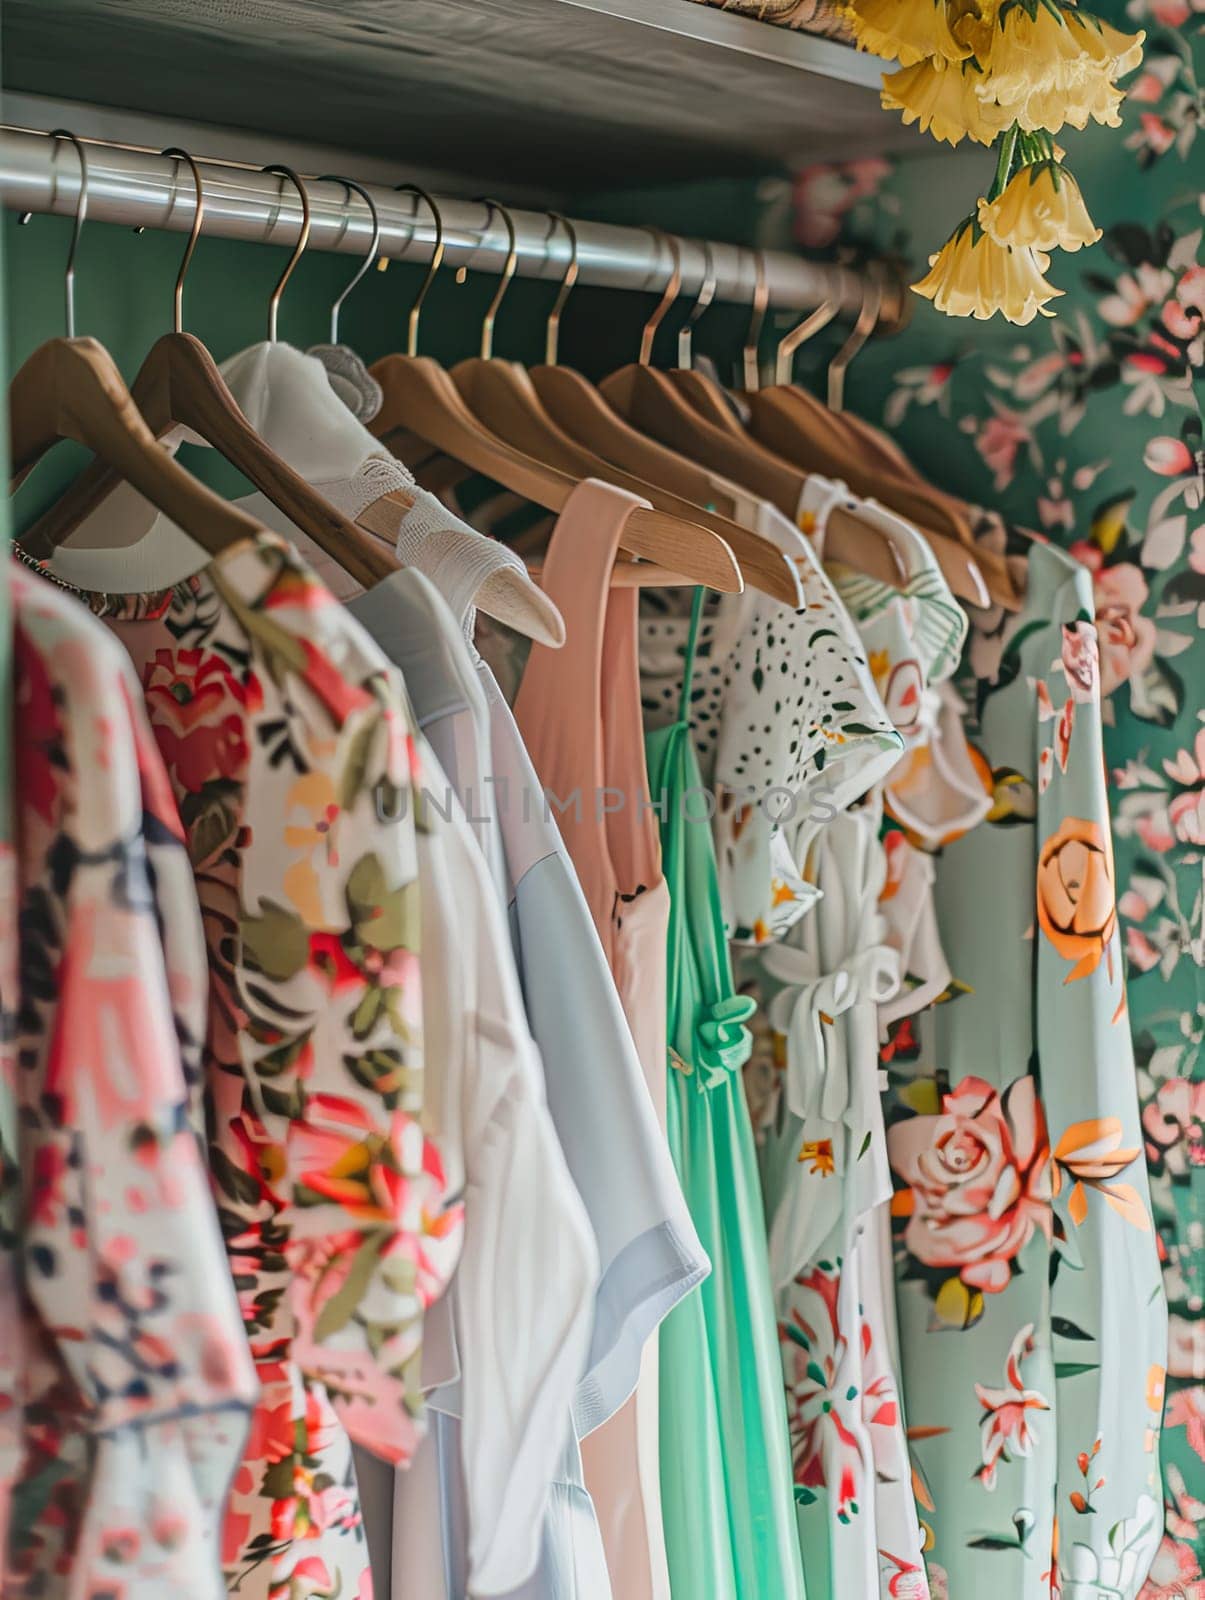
(726, 1491)
(1032, 1322)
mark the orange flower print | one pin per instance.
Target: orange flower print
(1088, 1154)
(819, 1154)
(1075, 897)
(311, 836)
(1081, 1499)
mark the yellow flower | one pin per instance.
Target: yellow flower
(941, 97)
(971, 23)
(1095, 99)
(1042, 208)
(1047, 70)
(906, 31)
(1029, 54)
(1116, 53)
(973, 276)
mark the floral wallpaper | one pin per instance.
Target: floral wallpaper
(1088, 429)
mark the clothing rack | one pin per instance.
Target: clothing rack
(139, 188)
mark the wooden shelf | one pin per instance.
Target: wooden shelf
(550, 96)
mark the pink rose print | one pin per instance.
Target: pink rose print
(1081, 661)
(1127, 638)
(1187, 809)
(1182, 316)
(977, 1179)
(1196, 542)
(1173, 1572)
(1006, 1428)
(999, 440)
(825, 193)
(1168, 456)
(1174, 1125)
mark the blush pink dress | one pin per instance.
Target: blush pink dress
(578, 709)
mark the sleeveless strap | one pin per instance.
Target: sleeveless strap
(688, 662)
(577, 578)
(559, 705)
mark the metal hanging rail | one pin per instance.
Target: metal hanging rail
(140, 188)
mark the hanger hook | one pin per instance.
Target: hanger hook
(194, 233)
(868, 321)
(761, 299)
(435, 264)
(353, 187)
(705, 297)
(81, 211)
(553, 331)
(508, 271)
(669, 295)
(303, 238)
(789, 343)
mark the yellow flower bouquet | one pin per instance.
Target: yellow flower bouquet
(1009, 73)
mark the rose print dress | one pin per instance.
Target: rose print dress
(126, 1384)
(286, 737)
(1031, 1313)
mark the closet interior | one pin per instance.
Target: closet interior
(563, 1015)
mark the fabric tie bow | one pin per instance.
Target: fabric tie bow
(805, 1012)
(722, 1041)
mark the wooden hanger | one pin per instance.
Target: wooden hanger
(421, 399)
(834, 444)
(578, 406)
(502, 395)
(801, 428)
(71, 389)
(179, 385)
(707, 397)
(649, 400)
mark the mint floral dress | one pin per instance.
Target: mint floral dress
(1032, 1321)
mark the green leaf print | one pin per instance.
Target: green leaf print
(353, 780)
(383, 918)
(341, 1307)
(276, 943)
(210, 816)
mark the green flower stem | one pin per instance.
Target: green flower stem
(1004, 161)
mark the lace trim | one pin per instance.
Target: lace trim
(377, 476)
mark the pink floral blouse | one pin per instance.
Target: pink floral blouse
(287, 740)
(125, 1380)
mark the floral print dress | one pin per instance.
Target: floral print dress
(825, 1174)
(126, 1383)
(1032, 1320)
(286, 737)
